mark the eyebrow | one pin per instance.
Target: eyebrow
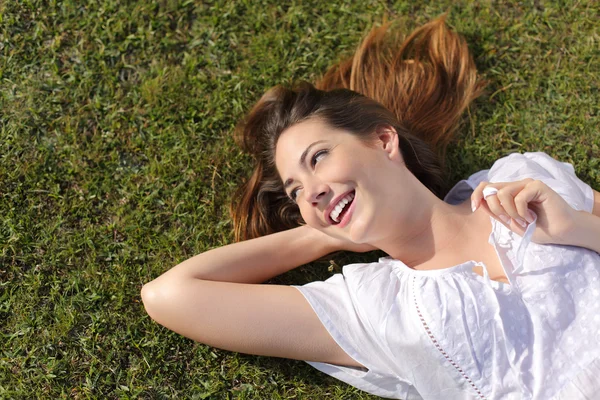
(290, 181)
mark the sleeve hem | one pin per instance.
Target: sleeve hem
(356, 377)
(333, 331)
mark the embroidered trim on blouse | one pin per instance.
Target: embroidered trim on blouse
(437, 345)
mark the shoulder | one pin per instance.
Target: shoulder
(536, 165)
(355, 278)
(364, 291)
(513, 167)
(559, 176)
(362, 281)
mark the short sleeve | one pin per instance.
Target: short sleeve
(559, 176)
(335, 305)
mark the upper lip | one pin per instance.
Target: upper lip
(332, 205)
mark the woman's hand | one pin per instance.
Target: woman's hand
(512, 203)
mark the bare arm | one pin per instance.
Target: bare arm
(268, 320)
(204, 299)
(596, 209)
(587, 233)
(256, 260)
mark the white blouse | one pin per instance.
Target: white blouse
(453, 334)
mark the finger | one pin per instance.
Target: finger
(493, 204)
(477, 196)
(530, 194)
(506, 197)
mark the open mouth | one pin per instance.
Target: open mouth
(337, 214)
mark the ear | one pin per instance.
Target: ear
(388, 141)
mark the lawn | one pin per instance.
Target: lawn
(117, 162)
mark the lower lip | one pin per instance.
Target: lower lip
(348, 214)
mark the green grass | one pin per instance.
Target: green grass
(117, 162)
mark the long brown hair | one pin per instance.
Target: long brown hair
(420, 87)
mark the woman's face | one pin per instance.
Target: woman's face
(342, 186)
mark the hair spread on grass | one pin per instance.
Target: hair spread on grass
(420, 85)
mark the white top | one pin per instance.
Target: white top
(453, 334)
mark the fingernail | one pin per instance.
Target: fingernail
(505, 219)
(521, 222)
(473, 206)
(530, 216)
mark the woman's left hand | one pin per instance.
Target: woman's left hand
(511, 204)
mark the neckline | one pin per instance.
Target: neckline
(466, 266)
(428, 272)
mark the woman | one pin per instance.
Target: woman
(483, 295)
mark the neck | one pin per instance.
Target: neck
(438, 228)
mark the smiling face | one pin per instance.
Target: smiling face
(342, 185)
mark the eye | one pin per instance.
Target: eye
(317, 157)
(294, 194)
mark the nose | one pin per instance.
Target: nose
(316, 193)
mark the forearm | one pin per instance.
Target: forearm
(256, 260)
(587, 233)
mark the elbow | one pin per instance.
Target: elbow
(149, 296)
(167, 301)
(157, 297)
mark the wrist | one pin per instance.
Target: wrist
(586, 232)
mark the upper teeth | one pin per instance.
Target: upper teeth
(335, 213)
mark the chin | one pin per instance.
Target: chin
(359, 233)
(365, 230)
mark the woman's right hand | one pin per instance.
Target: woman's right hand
(510, 203)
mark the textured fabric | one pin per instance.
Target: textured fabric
(453, 334)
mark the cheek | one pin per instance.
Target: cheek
(341, 169)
